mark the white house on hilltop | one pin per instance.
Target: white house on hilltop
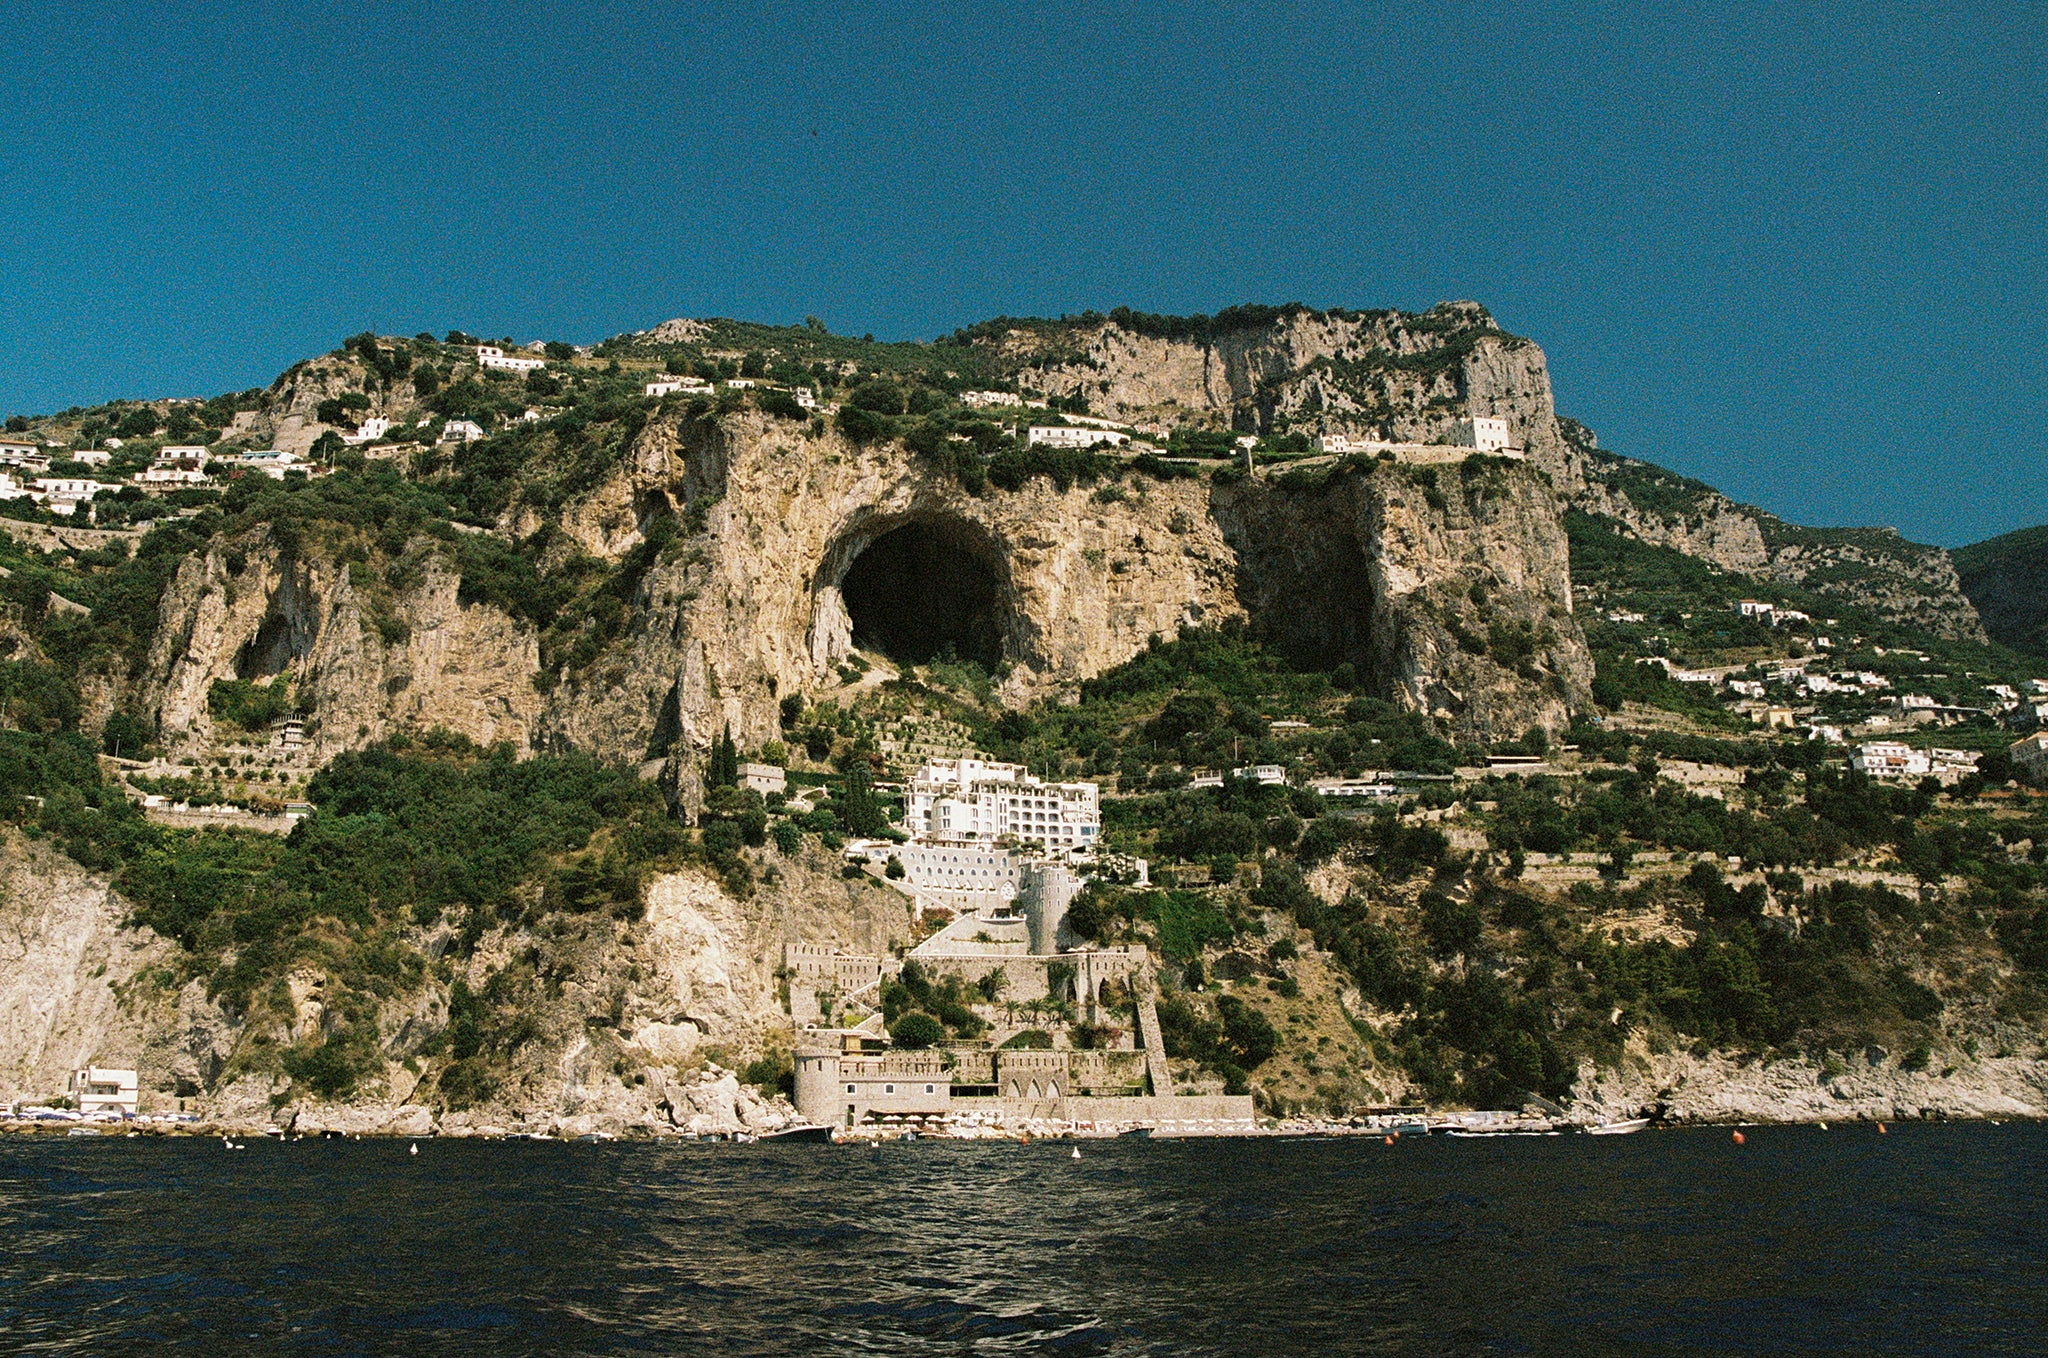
(1067, 436)
(491, 356)
(666, 385)
(171, 478)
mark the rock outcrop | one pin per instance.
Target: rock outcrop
(412, 658)
(1449, 589)
(1400, 376)
(629, 1039)
(1378, 569)
(1871, 1085)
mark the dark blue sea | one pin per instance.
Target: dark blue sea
(1931, 1240)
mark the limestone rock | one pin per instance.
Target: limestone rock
(74, 983)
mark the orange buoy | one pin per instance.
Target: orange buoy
(1390, 1141)
(1880, 1129)
(1739, 1138)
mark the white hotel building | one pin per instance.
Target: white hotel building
(974, 800)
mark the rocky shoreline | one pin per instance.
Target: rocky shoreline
(1667, 1090)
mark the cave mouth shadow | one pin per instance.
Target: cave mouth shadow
(929, 590)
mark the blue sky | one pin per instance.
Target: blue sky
(1797, 251)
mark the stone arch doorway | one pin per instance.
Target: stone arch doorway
(916, 588)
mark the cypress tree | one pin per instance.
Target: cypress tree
(857, 806)
(724, 766)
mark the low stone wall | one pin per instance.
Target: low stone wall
(1181, 1111)
(1184, 1112)
(203, 820)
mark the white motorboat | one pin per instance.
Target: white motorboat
(1618, 1128)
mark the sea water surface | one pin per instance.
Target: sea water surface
(1930, 1240)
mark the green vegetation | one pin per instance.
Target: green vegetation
(2007, 579)
(925, 1013)
(408, 833)
(250, 704)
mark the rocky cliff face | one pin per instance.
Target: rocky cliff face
(79, 987)
(1871, 1084)
(1388, 570)
(1379, 569)
(1904, 582)
(620, 1017)
(411, 657)
(1386, 373)
(754, 606)
(1450, 589)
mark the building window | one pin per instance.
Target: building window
(852, 1089)
(929, 1089)
(888, 1089)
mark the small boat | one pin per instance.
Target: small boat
(806, 1135)
(1140, 1133)
(1618, 1128)
(1409, 1129)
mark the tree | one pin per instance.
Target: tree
(124, 733)
(723, 768)
(137, 424)
(915, 1031)
(858, 809)
(1453, 926)
(560, 352)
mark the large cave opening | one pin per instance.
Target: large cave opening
(930, 590)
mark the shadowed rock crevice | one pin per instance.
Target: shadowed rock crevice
(927, 591)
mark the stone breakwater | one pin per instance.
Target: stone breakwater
(1872, 1085)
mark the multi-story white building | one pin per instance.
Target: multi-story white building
(461, 431)
(974, 800)
(2030, 754)
(1890, 759)
(1481, 433)
(764, 778)
(101, 1091)
(270, 461)
(972, 879)
(990, 398)
(1070, 436)
(171, 478)
(491, 356)
(66, 487)
(369, 431)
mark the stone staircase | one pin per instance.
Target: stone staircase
(1149, 1037)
